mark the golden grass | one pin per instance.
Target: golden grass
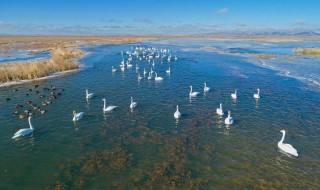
(262, 55)
(62, 59)
(307, 51)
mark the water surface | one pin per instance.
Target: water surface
(147, 148)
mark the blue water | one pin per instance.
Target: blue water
(21, 55)
(147, 148)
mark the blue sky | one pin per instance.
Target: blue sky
(147, 17)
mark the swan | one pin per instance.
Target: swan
(88, 95)
(109, 108)
(234, 95)
(23, 132)
(77, 116)
(193, 94)
(144, 71)
(206, 89)
(150, 76)
(219, 110)
(158, 78)
(175, 58)
(177, 114)
(229, 119)
(288, 148)
(114, 69)
(168, 71)
(137, 67)
(129, 65)
(257, 96)
(133, 104)
(139, 77)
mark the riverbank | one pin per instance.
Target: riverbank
(62, 59)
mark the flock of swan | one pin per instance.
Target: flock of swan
(152, 54)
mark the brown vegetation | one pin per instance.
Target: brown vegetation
(62, 59)
(307, 51)
(263, 55)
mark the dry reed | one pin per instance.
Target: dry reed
(307, 51)
(62, 59)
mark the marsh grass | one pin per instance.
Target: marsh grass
(62, 59)
(307, 51)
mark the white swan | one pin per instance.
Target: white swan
(158, 78)
(144, 71)
(139, 77)
(88, 95)
(193, 94)
(77, 116)
(177, 114)
(206, 89)
(288, 148)
(137, 67)
(114, 69)
(23, 132)
(234, 95)
(229, 119)
(220, 110)
(109, 108)
(133, 104)
(150, 76)
(168, 71)
(151, 71)
(257, 96)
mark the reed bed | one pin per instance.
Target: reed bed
(307, 51)
(62, 59)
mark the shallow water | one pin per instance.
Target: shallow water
(147, 148)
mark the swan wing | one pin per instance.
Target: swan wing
(110, 108)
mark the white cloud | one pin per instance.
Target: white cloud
(223, 11)
(300, 22)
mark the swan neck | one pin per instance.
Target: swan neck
(104, 104)
(30, 124)
(283, 135)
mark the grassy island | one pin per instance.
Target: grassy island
(62, 59)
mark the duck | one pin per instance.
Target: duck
(229, 119)
(177, 114)
(109, 108)
(133, 104)
(234, 95)
(77, 116)
(26, 131)
(88, 95)
(193, 94)
(205, 88)
(220, 110)
(257, 96)
(288, 148)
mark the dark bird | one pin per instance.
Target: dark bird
(19, 106)
(8, 99)
(37, 92)
(27, 94)
(36, 86)
(22, 116)
(15, 112)
(30, 89)
(15, 90)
